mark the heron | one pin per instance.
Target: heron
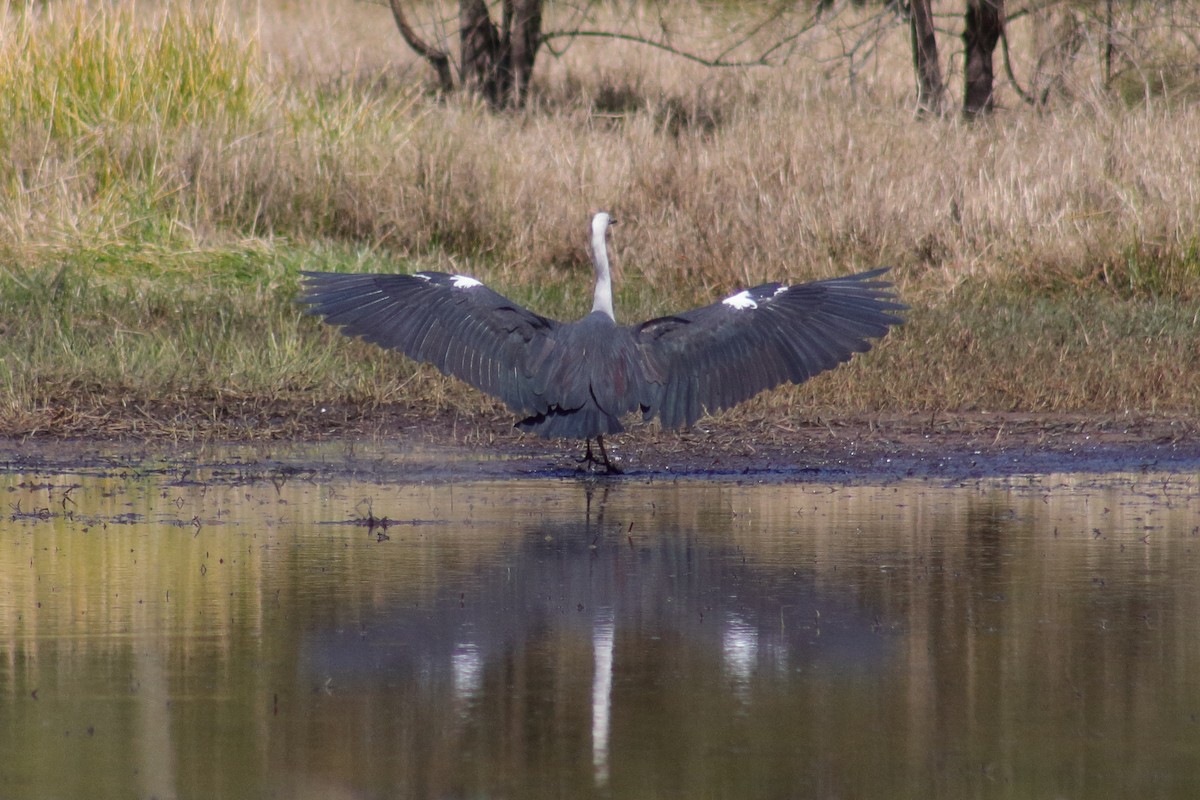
(577, 380)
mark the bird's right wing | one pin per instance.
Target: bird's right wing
(719, 355)
(451, 321)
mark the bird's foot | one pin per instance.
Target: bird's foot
(612, 468)
(591, 463)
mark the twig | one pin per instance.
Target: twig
(628, 37)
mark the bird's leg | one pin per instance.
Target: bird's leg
(588, 459)
(612, 468)
(590, 462)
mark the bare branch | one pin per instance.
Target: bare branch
(1008, 70)
(809, 24)
(756, 29)
(1033, 9)
(438, 59)
(628, 37)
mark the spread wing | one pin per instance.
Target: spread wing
(719, 355)
(451, 321)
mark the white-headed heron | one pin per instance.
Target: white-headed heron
(578, 379)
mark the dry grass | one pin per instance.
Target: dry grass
(1051, 256)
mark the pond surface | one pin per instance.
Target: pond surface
(182, 630)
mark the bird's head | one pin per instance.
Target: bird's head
(601, 223)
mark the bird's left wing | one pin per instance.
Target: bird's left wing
(451, 321)
(719, 355)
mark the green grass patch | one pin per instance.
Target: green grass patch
(991, 348)
(122, 330)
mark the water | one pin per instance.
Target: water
(239, 632)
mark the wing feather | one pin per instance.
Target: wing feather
(459, 325)
(719, 355)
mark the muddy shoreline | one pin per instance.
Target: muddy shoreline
(397, 447)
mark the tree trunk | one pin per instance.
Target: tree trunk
(984, 22)
(499, 62)
(481, 53)
(930, 88)
(1108, 43)
(496, 62)
(523, 30)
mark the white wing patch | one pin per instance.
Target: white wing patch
(741, 301)
(422, 276)
(463, 282)
(780, 291)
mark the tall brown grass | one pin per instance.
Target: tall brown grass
(733, 176)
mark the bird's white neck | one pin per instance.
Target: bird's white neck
(603, 298)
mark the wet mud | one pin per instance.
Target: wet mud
(854, 449)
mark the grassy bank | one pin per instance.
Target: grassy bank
(170, 173)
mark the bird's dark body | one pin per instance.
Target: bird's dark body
(603, 376)
(577, 380)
